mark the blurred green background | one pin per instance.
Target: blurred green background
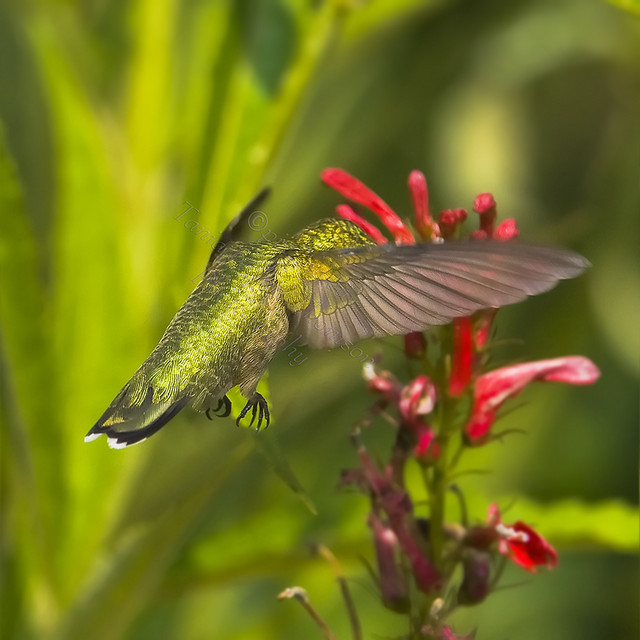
(116, 112)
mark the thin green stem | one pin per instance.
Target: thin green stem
(437, 496)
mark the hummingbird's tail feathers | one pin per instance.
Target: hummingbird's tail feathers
(126, 425)
(234, 229)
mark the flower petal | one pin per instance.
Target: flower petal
(485, 206)
(530, 550)
(353, 189)
(417, 398)
(346, 212)
(420, 196)
(494, 388)
(506, 230)
(462, 356)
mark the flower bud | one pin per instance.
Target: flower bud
(392, 584)
(485, 206)
(476, 567)
(415, 345)
(417, 398)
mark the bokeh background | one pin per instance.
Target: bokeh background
(115, 113)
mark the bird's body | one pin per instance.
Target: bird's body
(328, 284)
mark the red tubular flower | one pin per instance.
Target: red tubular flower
(417, 398)
(482, 326)
(427, 449)
(462, 356)
(520, 542)
(353, 189)
(415, 345)
(450, 220)
(526, 547)
(427, 228)
(494, 388)
(485, 206)
(383, 383)
(506, 230)
(346, 212)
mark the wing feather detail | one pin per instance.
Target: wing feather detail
(380, 290)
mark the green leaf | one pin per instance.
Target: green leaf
(268, 446)
(32, 450)
(629, 5)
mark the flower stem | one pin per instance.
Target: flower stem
(299, 594)
(356, 630)
(438, 492)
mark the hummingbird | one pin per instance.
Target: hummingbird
(329, 284)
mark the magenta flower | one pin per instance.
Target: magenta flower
(391, 580)
(494, 388)
(397, 506)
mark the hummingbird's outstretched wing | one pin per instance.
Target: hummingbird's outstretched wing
(376, 290)
(126, 424)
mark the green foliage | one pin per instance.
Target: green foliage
(114, 114)
(629, 5)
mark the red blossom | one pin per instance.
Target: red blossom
(353, 189)
(417, 398)
(480, 234)
(427, 228)
(449, 221)
(346, 212)
(506, 230)
(462, 357)
(483, 321)
(494, 388)
(520, 542)
(485, 206)
(427, 449)
(383, 383)
(415, 345)
(527, 548)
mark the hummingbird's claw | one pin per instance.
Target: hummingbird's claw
(259, 406)
(223, 402)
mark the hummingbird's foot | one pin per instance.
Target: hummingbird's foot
(258, 405)
(225, 403)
